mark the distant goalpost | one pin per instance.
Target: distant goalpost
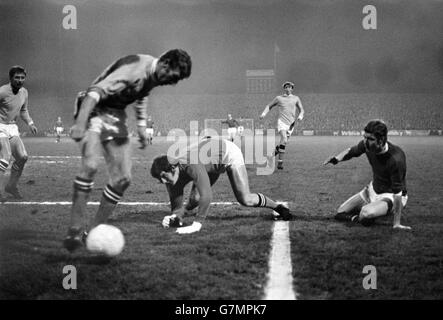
(216, 125)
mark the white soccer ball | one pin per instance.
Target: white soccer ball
(105, 239)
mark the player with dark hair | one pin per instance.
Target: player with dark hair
(232, 127)
(287, 104)
(386, 193)
(202, 163)
(13, 103)
(100, 127)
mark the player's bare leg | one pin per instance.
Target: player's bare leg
(373, 210)
(83, 183)
(5, 156)
(238, 177)
(281, 148)
(350, 209)
(118, 157)
(21, 157)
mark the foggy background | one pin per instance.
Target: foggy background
(320, 45)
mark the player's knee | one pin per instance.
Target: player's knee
(22, 160)
(367, 212)
(123, 182)
(90, 168)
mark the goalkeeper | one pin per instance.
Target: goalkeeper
(202, 163)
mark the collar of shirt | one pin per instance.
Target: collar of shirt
(385, 149)
(153, 66)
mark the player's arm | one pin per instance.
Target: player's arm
(24, 114)
(268, 108)
(396, 179)
(347, 154)
(176, 200)
(81, 115)
(301, 114)
(202, 182)
(141, 113)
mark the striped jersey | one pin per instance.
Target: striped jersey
(13, 105)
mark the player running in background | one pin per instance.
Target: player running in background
(58, 129)
(149, 129)
(232, 127)
(202, 163)
(13, 103)
(386, 193)
(287, 104)
(100, 127)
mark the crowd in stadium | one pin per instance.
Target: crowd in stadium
(324, 112)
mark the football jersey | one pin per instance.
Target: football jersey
(12, 105)
(232, 123)
(287, 107)
(389, 168)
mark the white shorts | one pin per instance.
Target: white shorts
(369, 195)
(58, 130)
(282, 125)
(150, 131)
(232, 131)
(233, 155)
(110, 124)
(9, 130)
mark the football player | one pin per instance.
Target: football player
(100, 127)
(13, 103)
(386, 193)
(287, 105)
(202, 163)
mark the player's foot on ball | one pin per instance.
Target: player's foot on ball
(14, 192)
(175, 222)
(284, 213)
(75, 239)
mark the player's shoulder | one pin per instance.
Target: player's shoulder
(4, 89)
(396, 151)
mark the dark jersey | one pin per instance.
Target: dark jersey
(232, 123)
(59, 124)
(389, 168)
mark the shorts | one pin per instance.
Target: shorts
(59, 130)
(282, 125)
(232, 131)
(110, 124)
(150, 131)
(369, 195)
(9, 130)
(232, 155)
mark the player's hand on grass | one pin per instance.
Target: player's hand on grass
(332, 160)
(401, 227)
(33, 128)
(194, 227)
(77, 132)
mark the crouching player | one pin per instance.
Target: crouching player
(202, 163)
(386, 193)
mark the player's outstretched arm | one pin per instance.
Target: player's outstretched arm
(397, 210)
(342, 156)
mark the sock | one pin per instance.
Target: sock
(82, 190)
(109, 201)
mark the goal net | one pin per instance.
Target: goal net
(216, 125)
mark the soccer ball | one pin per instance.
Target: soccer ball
(105, 239)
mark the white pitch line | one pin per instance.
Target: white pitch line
(96, 203)
(280, 281)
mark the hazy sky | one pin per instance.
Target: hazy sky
(322, 45)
